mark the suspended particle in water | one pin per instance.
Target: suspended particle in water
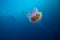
(12, 18)
(35, 15)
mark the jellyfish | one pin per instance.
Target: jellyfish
(35, 15)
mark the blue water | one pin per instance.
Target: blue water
(14, 24)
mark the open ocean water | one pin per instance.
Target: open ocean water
(15, 25)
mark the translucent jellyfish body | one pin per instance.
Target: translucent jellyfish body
(35, 15)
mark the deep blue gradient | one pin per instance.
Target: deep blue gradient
(15, 25)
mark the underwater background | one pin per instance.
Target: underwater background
(15, 25)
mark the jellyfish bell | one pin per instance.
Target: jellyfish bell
(35, 16)
(32, 13)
